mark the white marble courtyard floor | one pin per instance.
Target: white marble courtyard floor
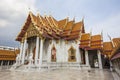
(94, 74)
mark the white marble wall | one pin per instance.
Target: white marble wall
(62, 50)
(45, 49)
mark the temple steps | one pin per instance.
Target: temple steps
(52, 66)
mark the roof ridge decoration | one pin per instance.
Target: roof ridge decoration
(55, 25)
(73, 24)
(67, 20)
(39, 16)
(29, 16)
(48, 27)
(52, 25)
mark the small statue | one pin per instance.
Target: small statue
(31, 58)
(18, 59)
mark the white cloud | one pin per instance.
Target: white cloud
(20, 6)
(12, 10)
(97, 14)
(3, 23)
(12, 16)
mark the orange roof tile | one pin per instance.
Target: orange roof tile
(85, 36)
(96, 38)
(62, 23)
(96, 42)
(85, 40)
(107, 46)
(55, 22)
(69, 25)
(116, 41)
(8, 54)
(77, 26)
(115, 52)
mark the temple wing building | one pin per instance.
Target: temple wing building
(8, 55)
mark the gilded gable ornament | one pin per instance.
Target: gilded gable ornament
(32, 31)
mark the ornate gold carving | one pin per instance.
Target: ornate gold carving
(31, 31)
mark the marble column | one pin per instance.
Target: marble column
(24, 51)
(37, 50)
(99, 59)
(21, 50)
(8, 63)
(87, 58)
(41, 51)
(1, 63)
(78, 55)
(111, 66)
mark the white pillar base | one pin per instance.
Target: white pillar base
(99, 59)
(87, 58)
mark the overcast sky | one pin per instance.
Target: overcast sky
(99, 15)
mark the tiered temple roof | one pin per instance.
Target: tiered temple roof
(85, 40)
(109, 48)
(8, 54)
(96, 42)
(89, 42)
(49, 27)
(115, 53)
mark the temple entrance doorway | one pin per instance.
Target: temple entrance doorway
(82, 53)
(106, 62)
(93, 58)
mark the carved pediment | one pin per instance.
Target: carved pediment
(32, 31)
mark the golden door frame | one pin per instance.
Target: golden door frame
(71, 54)
(53, 54)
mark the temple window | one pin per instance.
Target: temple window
(53, 54)
(72, 55)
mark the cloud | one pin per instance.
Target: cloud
(99, 15)
(12, 10)
(12, 16)
(3, 23)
